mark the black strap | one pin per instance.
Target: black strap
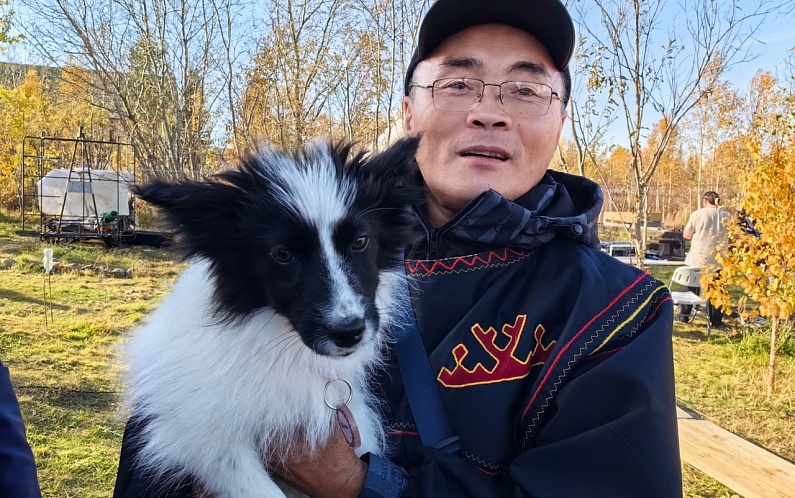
(422, 390)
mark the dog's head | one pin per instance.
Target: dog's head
(310, 234)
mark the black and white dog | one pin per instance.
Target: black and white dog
(294, 263)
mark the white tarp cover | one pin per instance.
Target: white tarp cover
(111, 190)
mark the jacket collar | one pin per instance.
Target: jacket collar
(560, 205)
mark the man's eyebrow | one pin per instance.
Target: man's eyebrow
(461, 62)
(530, 67)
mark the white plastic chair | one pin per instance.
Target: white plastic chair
(689, 276)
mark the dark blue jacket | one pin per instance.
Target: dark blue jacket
(17, 468)
(554, 360)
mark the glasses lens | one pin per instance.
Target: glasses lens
(524, 98)
(456, 94)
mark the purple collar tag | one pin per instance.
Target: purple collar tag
(350, 430)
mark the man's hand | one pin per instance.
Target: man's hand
(334, 471)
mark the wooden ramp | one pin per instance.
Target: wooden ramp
(742, 466)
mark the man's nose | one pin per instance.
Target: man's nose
(489, 112)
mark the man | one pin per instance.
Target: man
(706, 229)
(552, 361)
(17, 468)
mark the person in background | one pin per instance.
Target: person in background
(18, 477)
(707, 230)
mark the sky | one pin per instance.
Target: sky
(774, 40)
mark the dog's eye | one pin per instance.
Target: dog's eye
(360, 243)
(282, 255)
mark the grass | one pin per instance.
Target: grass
(724, 379)
(66, 372)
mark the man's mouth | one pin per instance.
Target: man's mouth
(485, 153)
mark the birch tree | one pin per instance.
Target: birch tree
(656, 71)
(762, 266)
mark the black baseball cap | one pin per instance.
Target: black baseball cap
(547, 20)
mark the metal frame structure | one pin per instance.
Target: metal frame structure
(88, 162)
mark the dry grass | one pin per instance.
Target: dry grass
(724, 379)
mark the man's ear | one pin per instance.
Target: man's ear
(408, 117)
(562, 123)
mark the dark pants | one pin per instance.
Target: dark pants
(715, 313)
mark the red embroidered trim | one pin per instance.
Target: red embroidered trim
(429, 267)
(402, 433)
(653, 314)
(576, 336)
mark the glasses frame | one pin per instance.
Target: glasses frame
(479, 99)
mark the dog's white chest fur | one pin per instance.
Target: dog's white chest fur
(221, 399)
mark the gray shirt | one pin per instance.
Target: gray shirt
(709, 227)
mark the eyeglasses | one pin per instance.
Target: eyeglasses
(519, 98)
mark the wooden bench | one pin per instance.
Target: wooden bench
(740, 465)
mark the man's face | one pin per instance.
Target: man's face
(463, 154)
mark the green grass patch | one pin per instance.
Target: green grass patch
(65, 365)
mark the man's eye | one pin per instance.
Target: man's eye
(282, 255)
(526, 92)
(360, 243)
(456, 85)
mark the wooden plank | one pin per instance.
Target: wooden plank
(738, 464)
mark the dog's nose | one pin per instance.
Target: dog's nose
(347, 333)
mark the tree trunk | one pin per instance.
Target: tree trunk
(771, 375)
(641, 223)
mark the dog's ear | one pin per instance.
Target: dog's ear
(396, 172)
(190, 203)
(197, 212)
(396, 164)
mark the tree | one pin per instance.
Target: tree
(763, 266)
(328, 67)
(391, 28)
(22, 108)
(293, 74)
(153, 61)
(712, 123)
(589, 116)
(5, 26)
(649, 73)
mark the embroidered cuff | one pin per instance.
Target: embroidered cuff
(384, 479)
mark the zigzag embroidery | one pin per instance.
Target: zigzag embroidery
(645, 306)
(584, 347)
(467, 270)
(484, 463)
(401, 426)
(421, 267)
